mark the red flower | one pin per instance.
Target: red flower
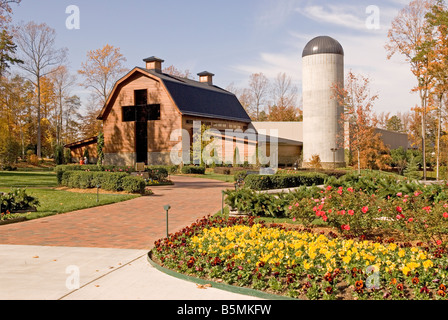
(445, 215)
(427, 209)
(399, 209)
(345, 227)
(365, 209)
(351, 212)
(424, 290)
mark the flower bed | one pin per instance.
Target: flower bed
(420, 215)
(303, 264)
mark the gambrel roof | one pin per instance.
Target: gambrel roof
(193, 98)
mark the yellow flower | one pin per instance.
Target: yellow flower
(346, 259)
(306, 265)
(428, 264)
(406, 270)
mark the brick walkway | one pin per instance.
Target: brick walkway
(133, 224)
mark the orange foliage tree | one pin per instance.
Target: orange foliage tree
(407, 36)
(358, 115)
(101, 70)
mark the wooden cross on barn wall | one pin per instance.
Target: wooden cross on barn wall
(140, 113)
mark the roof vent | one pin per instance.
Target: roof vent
(154, 63)
(206, 77)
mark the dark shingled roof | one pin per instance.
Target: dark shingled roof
(322, 44)
(194, 98)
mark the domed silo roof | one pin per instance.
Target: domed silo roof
(323, 44)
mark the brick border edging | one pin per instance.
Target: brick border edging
(217, 285)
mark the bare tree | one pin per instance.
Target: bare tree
(62, 81)
(259, 88)
(284, 96)
(36, 44)
(284, 92)
(245, 97)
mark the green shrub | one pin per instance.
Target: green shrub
(17, 200)
(113, 181)
(90, 168)
(159, 173)
(193, 170)
(110, 181)
(133, 184)
(258, 204)
(258, 182)
(284, 181)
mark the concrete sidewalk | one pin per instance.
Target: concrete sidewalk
(51, 273)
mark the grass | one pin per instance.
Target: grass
(214, 176)
(54, 202)
(19, 179)
(42, 186)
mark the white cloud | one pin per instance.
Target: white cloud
(346, 16)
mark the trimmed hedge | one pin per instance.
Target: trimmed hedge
(193, 170)
(110, 181)
(156, 172)
(283, 181)
(90, 168)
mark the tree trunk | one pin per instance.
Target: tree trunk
(39, 128)
(424, 135)
(359, 162)
(438, 135)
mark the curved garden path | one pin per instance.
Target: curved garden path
(133, 224)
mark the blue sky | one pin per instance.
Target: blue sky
(232, 39)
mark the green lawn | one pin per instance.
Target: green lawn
(20, 179)
(42, 186)
(214, 176)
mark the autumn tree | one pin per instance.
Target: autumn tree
(36, 44)
(7, 45)
(436, 48)
(101, 70)
(358, 102)
(172, 70)
(407, 36)
(16, 95)
(245, 97)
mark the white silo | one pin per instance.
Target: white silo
(323, 68)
